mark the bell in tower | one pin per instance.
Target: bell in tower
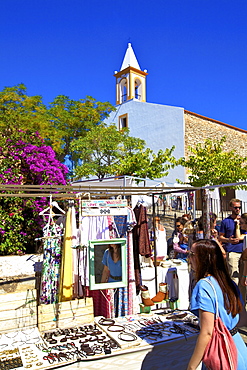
(130, 80)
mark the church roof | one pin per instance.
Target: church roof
(130, 59)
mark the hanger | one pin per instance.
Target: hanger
(52, 204)
(49, 212)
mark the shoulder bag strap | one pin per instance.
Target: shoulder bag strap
(216, 300)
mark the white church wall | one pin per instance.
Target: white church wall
(161, 127)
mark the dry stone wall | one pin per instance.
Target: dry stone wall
(199, 128)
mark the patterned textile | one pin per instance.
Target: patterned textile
(132, 309)
(121, 225)
(51, 264)
(122, 307)
(102, 302)
(131, 219)
(112, 227)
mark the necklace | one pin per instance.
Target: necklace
(56, 310)
(74, 312)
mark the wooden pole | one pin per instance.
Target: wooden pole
(205, 213)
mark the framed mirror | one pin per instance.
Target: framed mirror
(107, 264)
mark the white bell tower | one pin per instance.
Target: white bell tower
(130, 80)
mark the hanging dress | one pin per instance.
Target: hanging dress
(51, 264)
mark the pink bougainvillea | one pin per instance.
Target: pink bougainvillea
(25, 160)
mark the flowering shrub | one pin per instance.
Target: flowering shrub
(25, 159)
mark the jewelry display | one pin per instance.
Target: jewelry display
(141, 330)
(104, 337)
(77, 343)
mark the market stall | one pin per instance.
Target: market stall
(64, 319)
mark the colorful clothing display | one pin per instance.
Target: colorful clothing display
(66, 270)
(51, 264)
(93, 228)
(107, 303)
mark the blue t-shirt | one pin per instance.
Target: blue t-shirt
(114, 267)
(228, 228)
(203, 297)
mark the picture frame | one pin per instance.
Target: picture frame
(97, 249)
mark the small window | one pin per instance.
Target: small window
(123, 121)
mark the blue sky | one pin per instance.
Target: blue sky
(195, 51)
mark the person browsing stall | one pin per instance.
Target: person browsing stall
(210, 267)
(241, 233)
(180, 241)
(232, 244)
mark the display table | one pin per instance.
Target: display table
(172, 355)
(104, 338)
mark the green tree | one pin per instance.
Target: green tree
(106, 151)
(58, 124)
(72, 119)
(136, 160)
(20, 111)
(211, 164)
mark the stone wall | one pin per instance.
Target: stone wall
(199, 128)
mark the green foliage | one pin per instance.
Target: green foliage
(14, 227)
(72, 119)
(19, 111)
(106, 151)
(58, 124)
(211, 164)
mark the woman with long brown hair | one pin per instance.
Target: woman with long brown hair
(209, 264)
